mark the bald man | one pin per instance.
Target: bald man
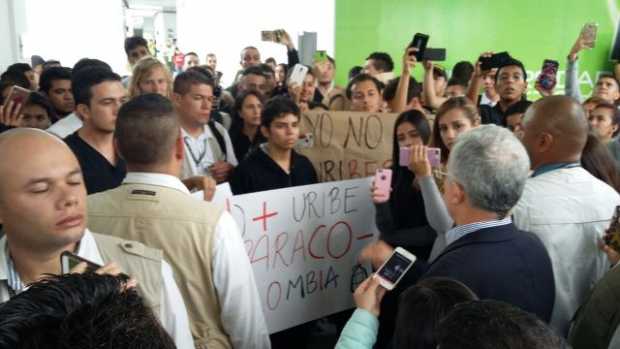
(567, 207)
(43, 213)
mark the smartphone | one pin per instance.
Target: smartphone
(393, 270)
(419, 41)
(319, 56)
(496, 60)
(434, 156)
(435, 54)
(404, 157)
(298, 74)
(588, 34)
(70, 260)
(548, 74)
(306, 141)
(18, 95)
(383, 181)
(268, 35)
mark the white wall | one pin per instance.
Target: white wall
(67, 30)
(225, 27)
(9, 44)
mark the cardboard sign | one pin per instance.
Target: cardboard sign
(303, 244)
(348, 144)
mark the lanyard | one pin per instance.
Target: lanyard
(552, 167)
(201, 156)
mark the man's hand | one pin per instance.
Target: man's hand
(368, 295)
(578, 46)
(11, 114)
(204, 183)
(478, 72)
(419, 163)
(221, 171)
(376, 253)
(285, 39)
(542, 91)
(109, 269)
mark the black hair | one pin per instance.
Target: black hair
(609, 76)
(236, 111)
(456, 82)
(184, 81)
(518, 108)
(52, 74)
(134, 41)
(382, 61)
(15, 78)
(361, 78)
(355, 71)
(254, 70)
(146, 129)
(422, 306)
(36, 98)
(596, 159)
(277, 107)
(439, 72)
(51, 63)
(204, 70)
(511, 62)
(21, 68)
(271, 60)
(89, 63)
(80, 311)
(414, 90)
(422, 126)
(491, 324)
(462, 72)
(267, 70)
(84, 79)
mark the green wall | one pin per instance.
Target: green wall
(530, 30)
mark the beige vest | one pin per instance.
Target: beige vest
(138, 261)
(183, 228)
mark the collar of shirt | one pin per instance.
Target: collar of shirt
(87, 249)
(462, 230)
(206, 134)
(552, 167)
(159, 179)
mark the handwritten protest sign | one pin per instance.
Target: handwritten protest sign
(303, 244)
(348, 144)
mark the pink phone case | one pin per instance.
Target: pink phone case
(383, 181)
(404, 158)
(434, 156)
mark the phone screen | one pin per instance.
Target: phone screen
(547, 78)
(395, 267)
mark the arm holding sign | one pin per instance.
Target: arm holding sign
(233, 278)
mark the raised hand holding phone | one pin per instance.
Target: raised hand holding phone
(393, 270)
(419, 163)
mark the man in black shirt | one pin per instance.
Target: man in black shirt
(275, 164)
(511, 85)
(98, 94)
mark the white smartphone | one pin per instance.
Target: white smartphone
(393, 270)
(298, 74)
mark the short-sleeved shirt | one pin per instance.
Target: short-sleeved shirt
(99, 174)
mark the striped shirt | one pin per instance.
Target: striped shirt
(462, 230)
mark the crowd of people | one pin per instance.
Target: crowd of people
(510, 228)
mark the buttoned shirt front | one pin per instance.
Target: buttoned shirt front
(203, 151)
(173, 314)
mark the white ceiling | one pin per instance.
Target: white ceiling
(139, 4)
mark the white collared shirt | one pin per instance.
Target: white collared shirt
(66, 126)
(233, 278)
(569, 210)
(198, 152)
(173, 314)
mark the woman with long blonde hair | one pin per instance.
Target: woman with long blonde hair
(150, 76)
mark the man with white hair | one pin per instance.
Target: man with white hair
(487, 171)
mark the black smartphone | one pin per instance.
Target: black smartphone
(488, 63)
(419, 41)
(548, 74)
(435, 54)
(70, 260)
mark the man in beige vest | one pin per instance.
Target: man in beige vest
(201, 241)
(43, 213)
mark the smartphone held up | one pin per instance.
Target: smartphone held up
(393, 270)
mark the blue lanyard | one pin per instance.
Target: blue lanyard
(552, 167)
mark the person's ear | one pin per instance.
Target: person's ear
(179, 147)
(84, 111)
(455, 195)
(614, 129)
(544, 142)
(176, 99)
(525, 87)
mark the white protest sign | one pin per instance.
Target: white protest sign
(303, 244)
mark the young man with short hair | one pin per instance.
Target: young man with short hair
(98, 94)
(136, 47)
(190, 60)
(275, 164)
(55, 83)
(604, 119)
(208, 149)
(511, 85)
(380, 66)
(326, 90)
